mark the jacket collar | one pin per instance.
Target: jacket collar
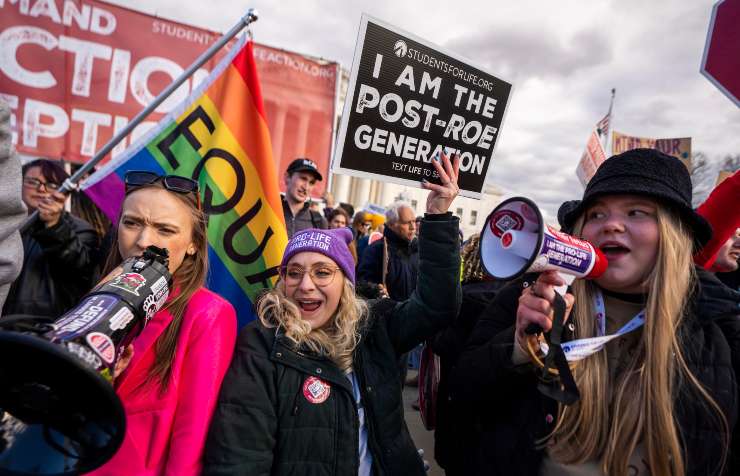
(286, 205)
(713, 298)
(287, 353)
(393, 238)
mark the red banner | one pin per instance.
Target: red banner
(74, 72)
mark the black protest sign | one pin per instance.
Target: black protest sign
(407, 101)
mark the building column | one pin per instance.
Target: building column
(304, 120)
(386, 194)
(278, 133)
(340, 188)
(362, 193)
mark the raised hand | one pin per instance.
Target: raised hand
(441, 196)
(51, 208)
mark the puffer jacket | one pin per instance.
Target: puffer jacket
(270, 422)
(514, 415)
(58, 268)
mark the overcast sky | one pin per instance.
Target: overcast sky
(562, 57)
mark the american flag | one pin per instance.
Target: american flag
(602, 127)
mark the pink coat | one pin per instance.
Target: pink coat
(166, 433)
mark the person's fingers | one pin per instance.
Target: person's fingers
(456, 167)
(538, 304)
(551, 277)
(443, 177)
(527, 316)
(44, 207)
(544, 291)
(449, 170)
(434, 187)
(50, 208)
(58, 197)
(532, 310)
(546, 283)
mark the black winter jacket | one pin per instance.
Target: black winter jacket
(58, 268)
(454, 434)
(403, 265)
(514, 415)
(265, 423)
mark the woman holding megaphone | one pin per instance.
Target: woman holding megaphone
(170, 386)
(652, 344)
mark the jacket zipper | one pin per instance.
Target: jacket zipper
(378, 457)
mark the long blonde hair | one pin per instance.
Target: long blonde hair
(336, 340)
(612, 418)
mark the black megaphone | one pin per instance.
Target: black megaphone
(59, 414)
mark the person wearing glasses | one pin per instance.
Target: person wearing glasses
(59, 248)
(170, 386)
(314, 385)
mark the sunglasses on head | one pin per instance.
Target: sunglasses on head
(173, 183)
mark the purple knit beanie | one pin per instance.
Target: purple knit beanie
(330, 243)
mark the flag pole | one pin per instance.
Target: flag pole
(611, 129)
(71, 183)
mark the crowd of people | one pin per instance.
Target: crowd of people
(314, 385)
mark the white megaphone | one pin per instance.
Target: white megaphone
(515, 240)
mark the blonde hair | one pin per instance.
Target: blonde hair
(472, 269)
(612, 418)
(336, 340)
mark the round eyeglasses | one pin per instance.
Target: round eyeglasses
(321, 275)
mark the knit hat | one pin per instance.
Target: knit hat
(646, 172)
(330, 243)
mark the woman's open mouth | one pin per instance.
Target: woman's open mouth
(614, 250)
(308, 305)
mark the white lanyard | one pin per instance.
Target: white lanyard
(581, 348)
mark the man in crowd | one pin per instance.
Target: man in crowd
(59, 248)
(300, 178)
(394, 260)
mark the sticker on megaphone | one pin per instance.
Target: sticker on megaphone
(559, 251)
(515, 241)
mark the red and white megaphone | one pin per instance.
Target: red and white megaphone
(515, 240)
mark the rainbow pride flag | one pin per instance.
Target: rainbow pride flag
(219, 137)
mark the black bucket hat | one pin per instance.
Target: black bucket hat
(645, 172)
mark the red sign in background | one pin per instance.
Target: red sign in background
(721, 62)
(74, 72)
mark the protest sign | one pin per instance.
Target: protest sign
(591, 159)
(408, 100)
(677, 147)
(75, 72)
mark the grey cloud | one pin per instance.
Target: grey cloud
(521, 54)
